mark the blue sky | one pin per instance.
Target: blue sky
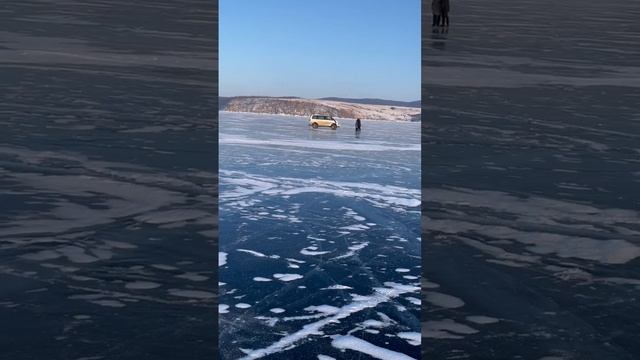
(320, 48)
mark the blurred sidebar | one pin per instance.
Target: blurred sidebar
(531, 144)
(108, 147)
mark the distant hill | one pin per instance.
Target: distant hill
(372, 109)
(371, 101)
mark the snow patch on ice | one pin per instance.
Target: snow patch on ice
(413, 338)
(222, 258)
(287, 277)
(356, 344)
(360, 303)
(337, 287)
(311, 251)
(254, 253)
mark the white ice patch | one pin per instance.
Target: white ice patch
(413, 300)
(355, 227)
(192, 277)
(171, 267)
(287, 277)
(482, 320)
(171, 216)
(261, 279)
(398, 198)
(325, 357)
(193, 294)
(337, 287)
(314, 144)
(413, 338)
(77, 254)
(270, 321)
(42, 255)
(443, 300)
(223, 309)
(254, 253)
(119, 244)
(325, 309)
(296, 261)
(108, 303)
(141, 285)
(356, 344)
(311, 251)
(446, 329)
(222, 258)
(353, 249)
(360, 303)
(242, 305)
(277, 310)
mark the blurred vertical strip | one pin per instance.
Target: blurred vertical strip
(531, 133)
(108, 179)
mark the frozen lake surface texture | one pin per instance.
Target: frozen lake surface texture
(531, 151)
(320, 239)
(108, 180)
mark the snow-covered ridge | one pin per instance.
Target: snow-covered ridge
(307, 107)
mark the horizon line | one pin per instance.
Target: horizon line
(319, 98)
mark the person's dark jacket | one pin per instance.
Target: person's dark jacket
(444, 6)
(436, 7)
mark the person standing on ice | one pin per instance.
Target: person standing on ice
(436, 6)
(358, 125)
(444, 12)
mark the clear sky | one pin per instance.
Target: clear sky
(320, 48)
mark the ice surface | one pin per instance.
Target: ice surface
(360, 303)
(313, 210)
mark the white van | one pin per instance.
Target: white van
(317, 120)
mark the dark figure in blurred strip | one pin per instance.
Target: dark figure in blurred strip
(436, 6)
(444, 12)
(358, 125)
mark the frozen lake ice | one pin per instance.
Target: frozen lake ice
(320, 232)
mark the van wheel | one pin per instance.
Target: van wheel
(333, 126)
(314, 125)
